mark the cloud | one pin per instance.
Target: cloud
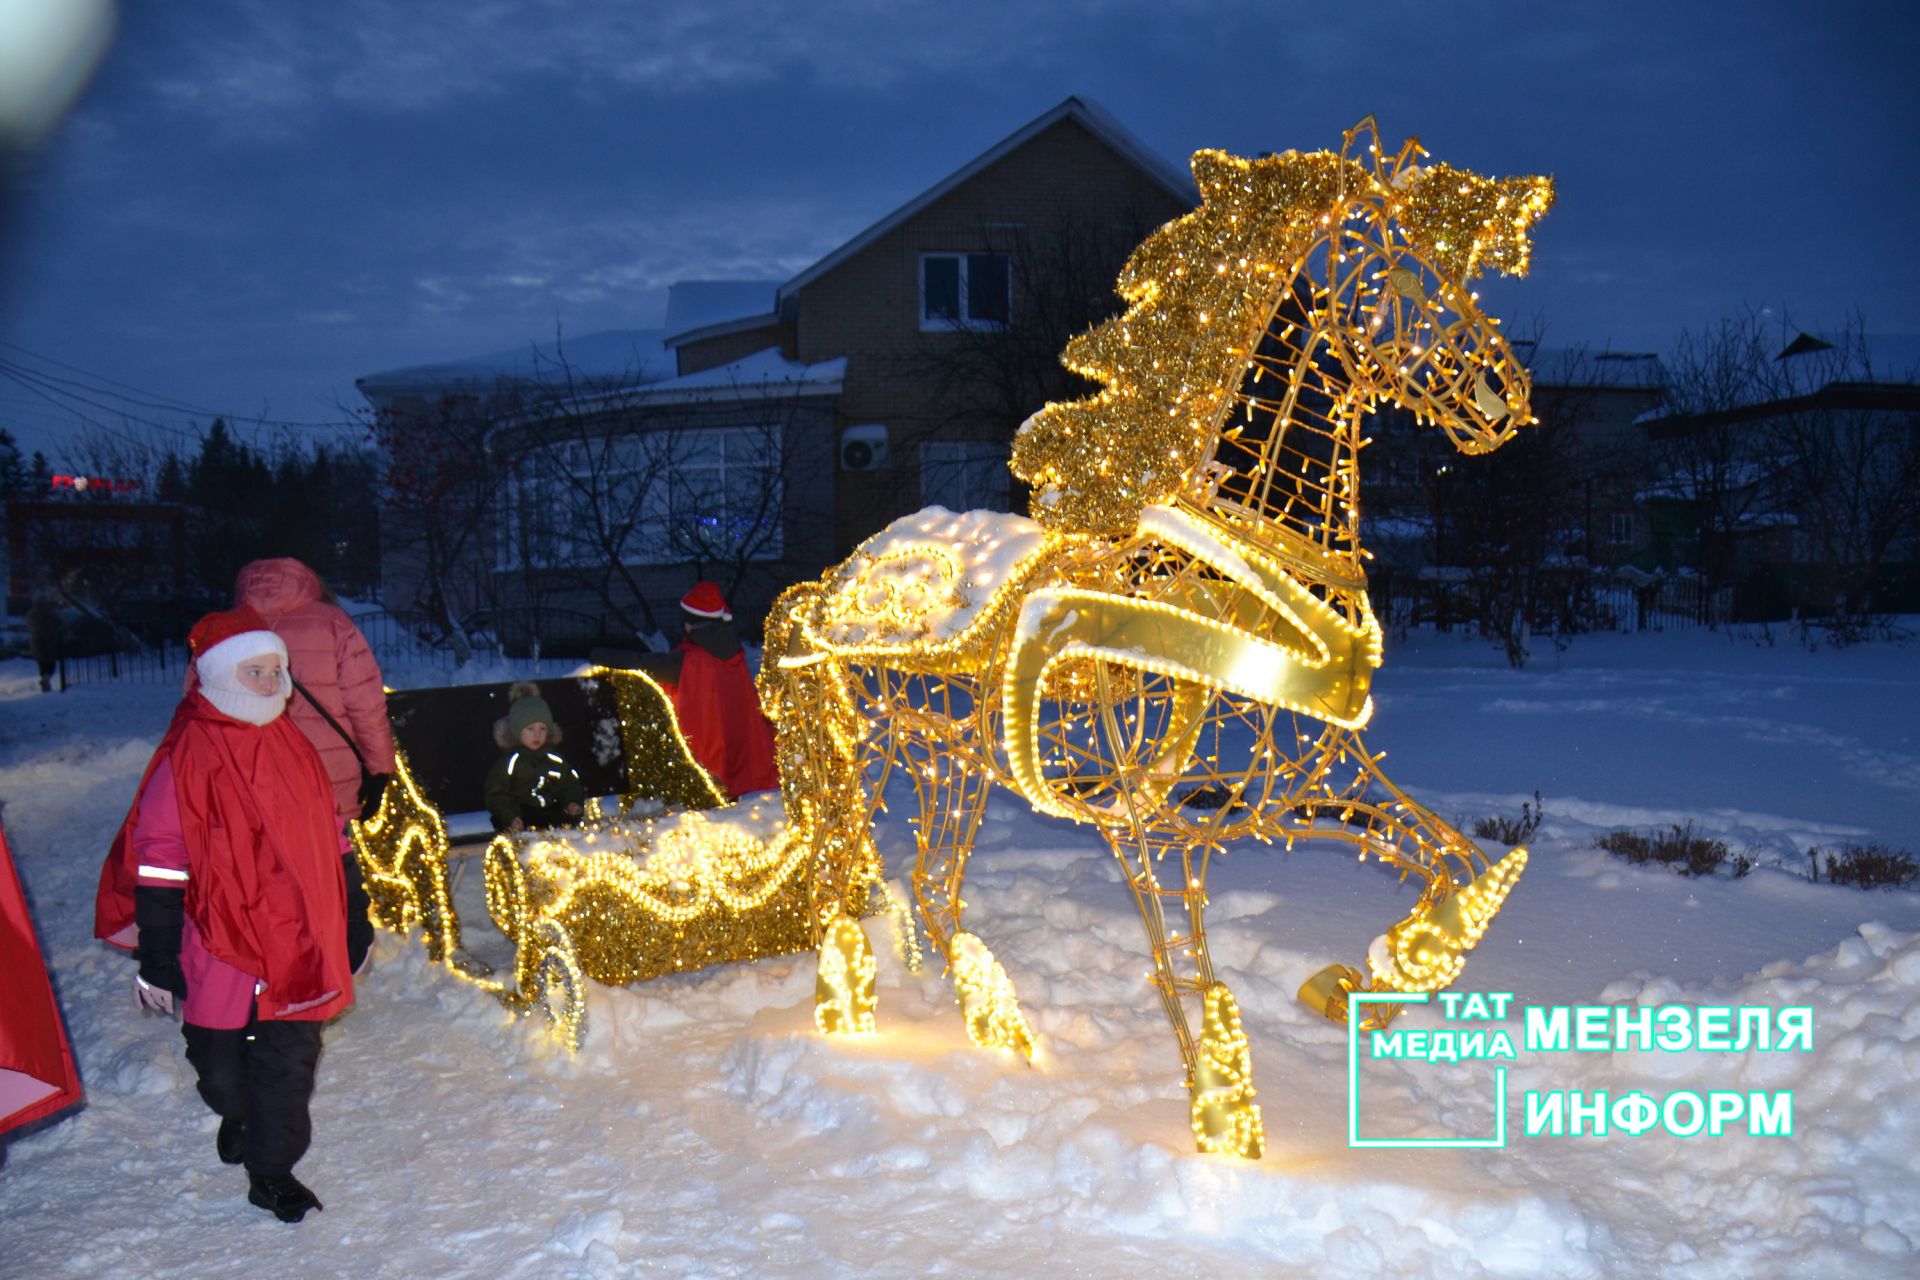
(538, 261)
(257, 69)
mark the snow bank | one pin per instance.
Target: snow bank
(705, 1130)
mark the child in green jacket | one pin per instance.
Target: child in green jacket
(530, 786)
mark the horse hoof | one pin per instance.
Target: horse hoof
(987, 1000)
(1226, 1119)
(843, 994)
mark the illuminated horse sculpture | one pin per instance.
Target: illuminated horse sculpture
(1178, 650)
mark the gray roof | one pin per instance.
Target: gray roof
(702, 304)
(764, 375)
(1089, 115)
(1582, 367)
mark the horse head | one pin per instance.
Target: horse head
(1376, 257)
(1394, 279)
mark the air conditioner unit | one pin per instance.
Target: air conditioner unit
(864, 448)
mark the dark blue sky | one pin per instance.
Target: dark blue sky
(256, 203)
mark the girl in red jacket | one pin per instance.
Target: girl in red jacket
(341, 704)
(227, 871)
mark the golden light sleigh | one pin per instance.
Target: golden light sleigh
(1177, 648)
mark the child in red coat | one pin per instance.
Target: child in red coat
(227, 872)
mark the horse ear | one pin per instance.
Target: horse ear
(1529, 197)
(1506, 245)
(1214, 171)
(1468, 223)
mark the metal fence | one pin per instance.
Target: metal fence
(394, 641)
(397, 640)
(1599, 602)
(154, 664)
(511, 632)
(1571, 601)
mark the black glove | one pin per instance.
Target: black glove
(159, 913)
(161, 970)
(373, 786)
(359, 928)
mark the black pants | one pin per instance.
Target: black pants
(261, 1075)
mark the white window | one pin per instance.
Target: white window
(662, 497)
(720, 497)
(963, 475)
(965, 290)
(1620, 528)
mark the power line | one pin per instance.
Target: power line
(99, 385)
(60, 399)
(97, 425)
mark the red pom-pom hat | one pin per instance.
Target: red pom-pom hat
(704, 600)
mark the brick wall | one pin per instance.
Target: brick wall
(868, 307)
(725, 348)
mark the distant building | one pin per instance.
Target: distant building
(1805, 494)
(1588, 404)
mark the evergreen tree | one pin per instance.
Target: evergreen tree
(171, 485)
(13, 469)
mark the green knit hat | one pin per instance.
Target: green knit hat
(526, 711)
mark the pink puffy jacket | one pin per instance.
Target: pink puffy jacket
(331, 659)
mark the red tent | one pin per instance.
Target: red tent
(37, 1075)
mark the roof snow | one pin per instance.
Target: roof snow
(764, 375)
(616, 358)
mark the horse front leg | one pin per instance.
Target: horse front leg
(1460, 892)
(824, 749)
(1219, 1062)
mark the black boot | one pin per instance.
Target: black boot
(231, 1141)
(282, 1195)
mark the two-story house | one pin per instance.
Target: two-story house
(789, 420)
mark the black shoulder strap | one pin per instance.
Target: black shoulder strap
(344, 735)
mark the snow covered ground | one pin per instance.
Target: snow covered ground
(705, 1130)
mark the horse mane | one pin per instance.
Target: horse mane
(1201, 290)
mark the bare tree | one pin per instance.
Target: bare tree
(1062, 274)
(606, 486)
(441, 488)
(1723, 466)
(979, 381)
(1513, 518)
(1807, 431)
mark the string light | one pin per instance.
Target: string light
(844, 989)
(1226, 1119)
(1193, 576)
(987, 1001)
(1192, 582)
